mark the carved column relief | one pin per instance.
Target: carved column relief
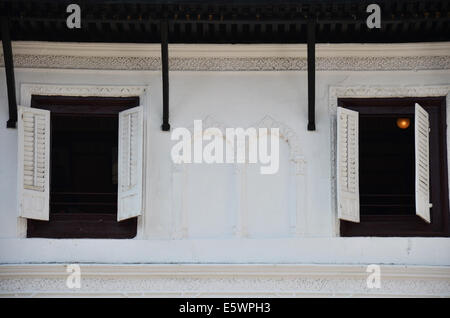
(298, 224)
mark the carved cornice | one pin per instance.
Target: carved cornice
(383, 92)
(232, 63)
(280, 280)
(227, 57)
(78, 90)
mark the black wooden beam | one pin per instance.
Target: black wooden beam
(225, 21)
(165, 73)
(9, 70)
(311, 75)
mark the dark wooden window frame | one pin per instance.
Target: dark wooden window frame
(83, 225)
(396, 225)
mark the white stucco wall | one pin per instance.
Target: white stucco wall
(238, 98)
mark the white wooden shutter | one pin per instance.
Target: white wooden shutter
(421, 133)
(347, 165)
(34, 163)
(130, 163)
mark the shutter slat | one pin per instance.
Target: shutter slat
(34, 162)
(347, 165)
(421, 132)
(130, 163)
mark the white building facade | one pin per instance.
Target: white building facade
(225, 229)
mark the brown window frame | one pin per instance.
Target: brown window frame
(411, 225)
(83, 225)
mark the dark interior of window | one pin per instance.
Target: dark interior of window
(387, 168)
(84, 164)
(83, 169)
(386, 165)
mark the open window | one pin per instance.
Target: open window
(391, 167)
(80, 166)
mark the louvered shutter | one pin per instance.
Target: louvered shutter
(347, 165)
(34, 162)
(130, 163)
(421, 133)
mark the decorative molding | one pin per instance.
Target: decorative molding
(290, 137)
(26, 90)
(336, 92)
(383, 91)
(209, 122)
(233, 64)
(224, 280)
(286, 133)
(227, 57)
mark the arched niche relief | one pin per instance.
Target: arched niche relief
(205, 196)
(277, 203)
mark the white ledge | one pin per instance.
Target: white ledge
(229, 50)
(222, 280)
(219, 270)
(358, 250)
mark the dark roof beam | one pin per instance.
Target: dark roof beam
(311, 52)
(9, 69)
(165, 73)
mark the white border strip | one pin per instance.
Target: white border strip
(223, 280)
(229, 50)
(220, 270)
